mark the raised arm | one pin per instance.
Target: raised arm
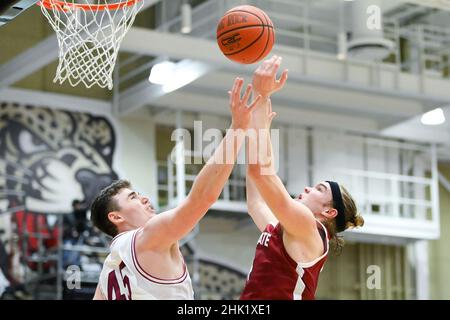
(257, 207)
(170, 226)
(295, 217)
(264, 86)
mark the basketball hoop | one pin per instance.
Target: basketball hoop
(89, 35)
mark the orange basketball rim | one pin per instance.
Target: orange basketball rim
(65, 5)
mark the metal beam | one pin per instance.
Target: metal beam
(207, 51)
(305, 102)
(55, 101)
(194, 102)
(10, 9)
(144, 93)
(29, 61)
(138, 96)
(154, 43)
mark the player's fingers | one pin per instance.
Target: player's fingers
(272, 115)
(260, 68)
(233, 88)
(275, 66)
(282, 80)
(263, 65)
(247, 94)
(268, 63)
(254, 103)
(237, 91)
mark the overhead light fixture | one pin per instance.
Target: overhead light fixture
(172, 76)
(162, 73)
(433, 117)
(186, 71)
(186, 18)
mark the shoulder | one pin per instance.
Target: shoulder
(307, 247)
(122, 239)
(308, 232)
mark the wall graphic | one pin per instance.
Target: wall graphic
(47, 159)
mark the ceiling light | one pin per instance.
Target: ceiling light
(433, 117)
(162, 72)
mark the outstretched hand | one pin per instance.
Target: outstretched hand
(241, 112)
(264, 79)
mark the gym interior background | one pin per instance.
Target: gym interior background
(351, 110)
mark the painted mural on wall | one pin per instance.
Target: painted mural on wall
(48, 158)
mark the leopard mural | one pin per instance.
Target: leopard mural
(50, 157)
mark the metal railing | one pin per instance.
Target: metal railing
(392, 178)
(233, 191)
(401, 184)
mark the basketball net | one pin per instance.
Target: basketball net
(89, 36)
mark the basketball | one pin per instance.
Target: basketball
(245, 34)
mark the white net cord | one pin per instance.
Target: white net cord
(89, 39)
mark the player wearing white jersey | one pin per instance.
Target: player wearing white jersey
(124, 278)
(145, 260)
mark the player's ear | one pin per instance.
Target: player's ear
(330, 213)
(115, 217)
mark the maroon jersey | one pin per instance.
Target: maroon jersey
(276, 276)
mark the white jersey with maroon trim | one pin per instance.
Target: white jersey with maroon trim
(123, 278)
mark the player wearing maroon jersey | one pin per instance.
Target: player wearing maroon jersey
(293, 246)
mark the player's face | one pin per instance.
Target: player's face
(134, 208)
(317, 198)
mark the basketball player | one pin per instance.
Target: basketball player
(294, 243)
(145, 260)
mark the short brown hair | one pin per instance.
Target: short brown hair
(104, 204)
